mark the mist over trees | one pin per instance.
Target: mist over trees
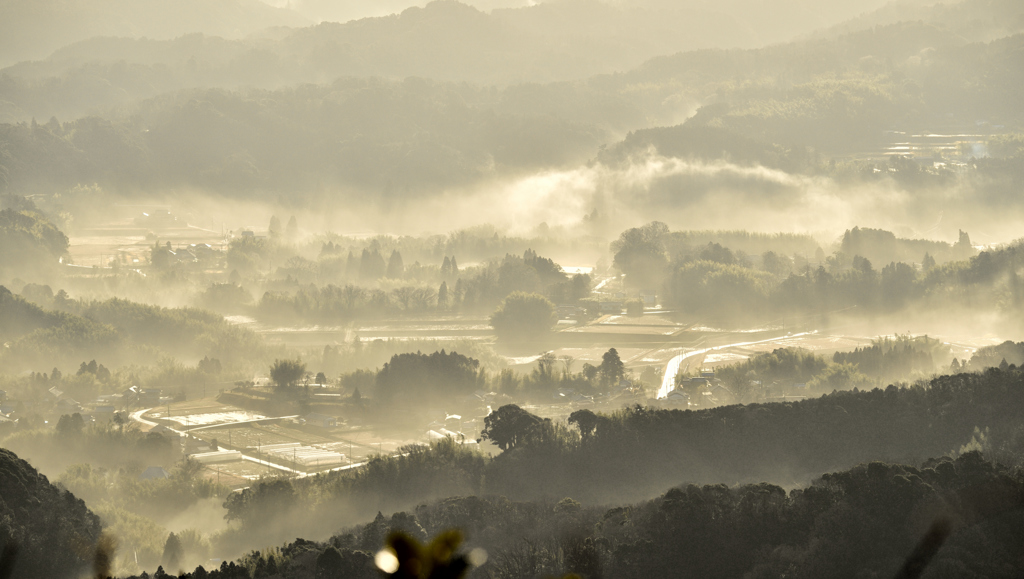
(503, 289)
(806, 101)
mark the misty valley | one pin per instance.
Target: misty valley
(503, 289)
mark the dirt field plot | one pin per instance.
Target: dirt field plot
(647, 320)
(243, 437)
(815, 343)
(593, 355)
(191, 407)
(294, 435)
(620, 329)
(213, 418)
(239, 473)
(365, 444)
(98, 245)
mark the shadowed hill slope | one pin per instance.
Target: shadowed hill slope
(53, 532)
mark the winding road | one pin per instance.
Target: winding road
(668, 381)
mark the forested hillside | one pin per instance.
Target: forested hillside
(630, 455)
(555, 288)
(32, 29)
(44, 531)
(946, 517)
(834, 96)
(117, 332)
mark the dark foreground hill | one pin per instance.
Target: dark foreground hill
(956, 518)
(48, 532)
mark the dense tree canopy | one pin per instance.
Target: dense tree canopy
(523, 316)
(287, 373)
(51, 533)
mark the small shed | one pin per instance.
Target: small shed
(68, 405)
(103, 413)
(154, 473)
(149, 397)
(321, 420)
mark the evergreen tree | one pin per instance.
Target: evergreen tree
(351, 266)
(371, 265)
(460, 292)
(274, 229)
(612, 369)
(442, 297)
(292, 229)
(396, 267)
(329, 564)
(172, 552)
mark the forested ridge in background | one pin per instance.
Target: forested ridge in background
(454, 195)
(119, 331)
(536, 41)
(33, 29)
(153, 127)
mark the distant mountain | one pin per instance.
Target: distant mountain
(778, 106)
(974, 20)
(346, 10)
(32, 29)
(762, 21)
(769, 21)
(841, 94)
(446, 40)
(54, 533)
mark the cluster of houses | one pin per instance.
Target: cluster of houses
(613, 303)
(706, 391)
(57, 403)
(625, 391)
(201, 254)
(703, 391)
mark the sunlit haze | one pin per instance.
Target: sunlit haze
(511, 289)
